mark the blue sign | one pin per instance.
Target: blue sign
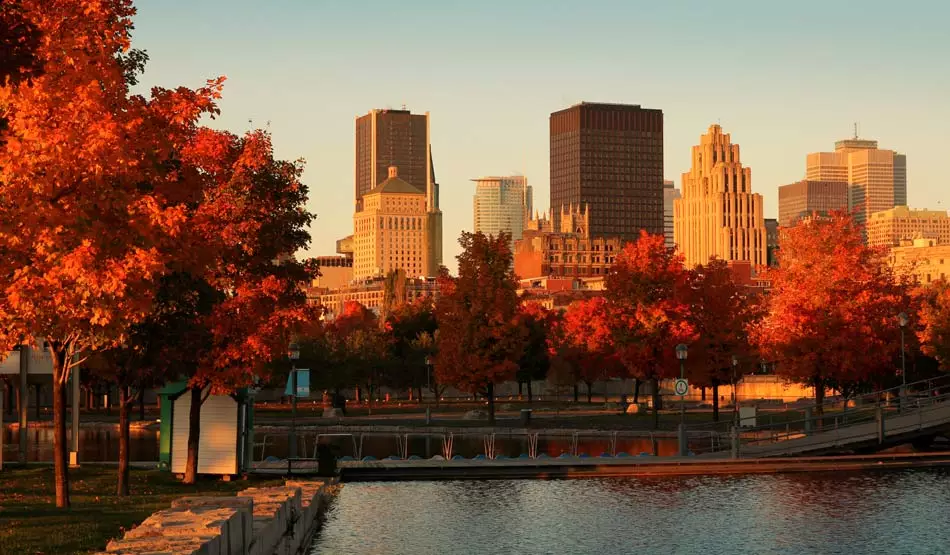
(303, 382)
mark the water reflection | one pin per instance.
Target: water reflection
(895, 512)
(96, 444)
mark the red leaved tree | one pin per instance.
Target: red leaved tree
(649, 314)
(934, 331)
(90, 198)
(832, 321)
(478, 343)
(721, 313)
(588, 345)
(245, 229)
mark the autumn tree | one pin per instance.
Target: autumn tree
(721, 313)
(91, 200)
(19, 42)
(533, 322)
(588, 346)
(649, 314)
(247, 225)
(832, 315)
(410, 330)
(934, 332)
(479, 344)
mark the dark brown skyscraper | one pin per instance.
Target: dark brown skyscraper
(610, 158)
(387, 138)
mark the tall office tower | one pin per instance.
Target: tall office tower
(502, 204)
(391, 232)
(670, 194)
(804, 198)
(609, 158)
(400, 139)
(719, 215)
(877, 179)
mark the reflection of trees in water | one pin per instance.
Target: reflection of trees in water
(96, 444)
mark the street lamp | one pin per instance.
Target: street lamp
(293, 353)
(681, 352)
(902, 320)
(429, 387)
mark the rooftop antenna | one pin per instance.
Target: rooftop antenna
(855, 130)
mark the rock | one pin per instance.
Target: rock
(475, 415)
(333, 413)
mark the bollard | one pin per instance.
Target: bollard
(735, 442)
(683, 442)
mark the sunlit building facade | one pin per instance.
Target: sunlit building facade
(889, 228)
(876, 178)
(670, 194)
(806, 198)
(719, 215)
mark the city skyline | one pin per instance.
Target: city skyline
(311, 99)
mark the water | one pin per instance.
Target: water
(96, 444)
(846, 513)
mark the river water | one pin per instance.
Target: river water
(904, 512)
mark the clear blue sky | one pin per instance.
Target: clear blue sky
(784, 78)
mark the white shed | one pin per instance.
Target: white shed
(226, 431)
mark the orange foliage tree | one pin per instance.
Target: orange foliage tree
(721, 313)
(587, 344)
(533, 322)
(245, 229)
(649, 313)
(479, 344)
(832, 316)
(91, 202)
(934, 330)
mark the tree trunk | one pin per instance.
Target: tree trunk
(60, 466)
(702, 393)
(520, 383)
(530, 396)
(590, 392)
(819, 397)
(122, 489)
(576, 392)
(715, 394)
(490, 393)
(656, 403)
(419, 392)
(194, 433)
(636, 391)
(142, 405)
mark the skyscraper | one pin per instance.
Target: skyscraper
(805, 198)
(877, 179)
(719, 215)
(391, 231)
(502, 204)
(670, 194)
(400, 139)
(609, 158)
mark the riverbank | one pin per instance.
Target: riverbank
(30, 522)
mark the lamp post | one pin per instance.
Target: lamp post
(681, 352)
(902, 320)
(293, 353)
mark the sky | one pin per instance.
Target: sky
(783, 78)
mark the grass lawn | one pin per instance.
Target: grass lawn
(30, 523)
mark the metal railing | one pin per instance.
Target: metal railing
(839, 423)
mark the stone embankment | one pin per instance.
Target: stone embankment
(257, 521)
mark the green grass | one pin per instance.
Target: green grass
(30, 523)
